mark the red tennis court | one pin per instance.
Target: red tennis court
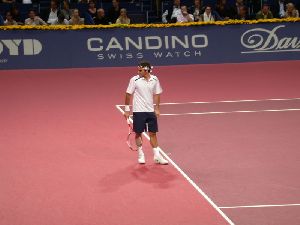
(233, 133)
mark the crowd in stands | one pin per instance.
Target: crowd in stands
(65, 12)
(61, 13)
(241, 10)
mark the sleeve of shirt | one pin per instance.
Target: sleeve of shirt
(157, 88)
(131, 86)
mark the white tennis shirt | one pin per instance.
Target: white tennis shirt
(143, 91)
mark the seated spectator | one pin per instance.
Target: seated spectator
(225, 11)
(279, 8)
(197, 9)
(123, 18)
(101, 18)
(9, 1)
(33, 19)
(76, 19)
(184, 16)
(264, 13)
(114, 11)
(66, 10)
(291, 11)
(26, 2)
(92, 9)
(15, 12)
(61, 20)
(170, 15)
(9, 20)
(1, 20)
(243, 13)
(53, 15)
(207, 15)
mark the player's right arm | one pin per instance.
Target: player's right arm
(127, 107)
(129, 92)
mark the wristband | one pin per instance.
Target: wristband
(127, 108)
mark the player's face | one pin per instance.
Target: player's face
(141, 71)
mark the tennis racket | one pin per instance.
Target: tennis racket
(131, 142)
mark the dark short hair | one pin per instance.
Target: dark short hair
(145, 64)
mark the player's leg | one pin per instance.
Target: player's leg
(153, 129)
(139, 127)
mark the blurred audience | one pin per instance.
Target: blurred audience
(264, 13)
(61, 20)
(185, 16)
(9, 19)
(196, 9)
(170, 15)
(114, 11)
(101, 18)
(76, 19)
(92, 10)
(123, 18)
(33, 19)
(66, 11)
(291, 11)
(54, 11)
(207, 16)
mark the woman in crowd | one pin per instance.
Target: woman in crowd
(123, 18)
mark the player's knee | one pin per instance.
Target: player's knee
(151, 134)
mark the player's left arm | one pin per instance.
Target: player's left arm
(156, 104)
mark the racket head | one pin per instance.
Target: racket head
(131, 137)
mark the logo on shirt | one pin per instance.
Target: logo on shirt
(261, 40)
(116, 48)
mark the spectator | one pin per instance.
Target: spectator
(101, 18)
(53, 15)
(197, 10)
(33, 19)
(264, 13)
(225, 11)
(184, 16)
(114, 11)
(279, 8)
(207, 15)
(291, 11)
(61, 20)
(8, 1)
(242, 13)
(15, 12)
(9, 20)
(1, 20)
(76, 19)
(66, 11)
(123, 18)
(170, 15)
(92, 9)
(238, 6)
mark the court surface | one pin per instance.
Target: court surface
(230, 130)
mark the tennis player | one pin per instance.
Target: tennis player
(145, 89)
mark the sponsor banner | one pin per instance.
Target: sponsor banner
(38, 49)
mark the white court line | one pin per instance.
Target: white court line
(230, 101)
(187, 178)
(257, 206)
(240, 111)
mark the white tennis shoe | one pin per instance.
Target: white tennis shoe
(141, 158)
(160, 160)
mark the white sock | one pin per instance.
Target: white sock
(140, 150)
(155, 151)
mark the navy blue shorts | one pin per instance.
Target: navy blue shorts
(140, 119)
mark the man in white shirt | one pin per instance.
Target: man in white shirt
(145, 89)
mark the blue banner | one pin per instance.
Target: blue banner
(43, 49)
